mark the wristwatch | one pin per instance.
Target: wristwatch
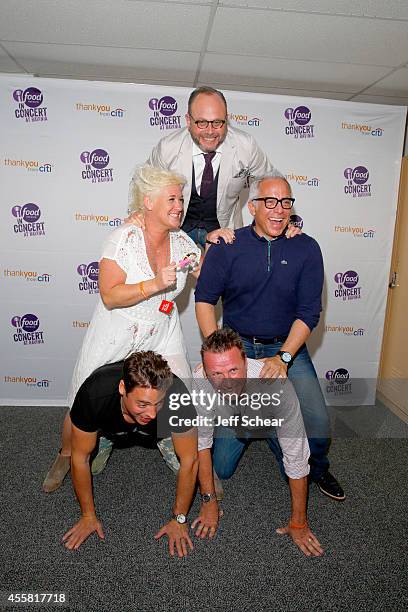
(180, 518)
(285, 356)
(207, 497)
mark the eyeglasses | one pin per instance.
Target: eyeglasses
(216, 124)
(286, 203)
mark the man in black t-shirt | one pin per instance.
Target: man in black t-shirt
(121, 401)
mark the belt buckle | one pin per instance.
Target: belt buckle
(255, 340)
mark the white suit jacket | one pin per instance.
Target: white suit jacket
(241, 158)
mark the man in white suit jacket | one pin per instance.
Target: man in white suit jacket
(234, 157)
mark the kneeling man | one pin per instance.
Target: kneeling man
(229, 429)
(121, 401)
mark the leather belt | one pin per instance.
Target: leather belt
(256, 340)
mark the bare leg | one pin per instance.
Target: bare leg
(66, 436)
(61, 465)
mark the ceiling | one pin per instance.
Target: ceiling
(342, 49)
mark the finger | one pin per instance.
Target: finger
(303, 548)
(100, 533)
(199, 530)
(72, 543)
(282, 530)
(315, 551)
(179, 548)
(189, 542)
(160, 533)
(79, 541)
(314, 545)
(68, 543)
(220, 513)
(204, 532)
(212, 532)
(171, 546)
(67, 535)
(184, 548)
(195, 522)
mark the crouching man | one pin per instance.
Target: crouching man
(122, 400)
(233, 416)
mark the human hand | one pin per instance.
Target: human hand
(178, 537)
(292, 231)
(166, 277)
(137, 219)
(81, 531)
(227, 234)
(304, 539)
(273, 368)
(207, 520)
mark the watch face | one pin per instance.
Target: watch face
(286, 357)
(181, 518)
(206, 497)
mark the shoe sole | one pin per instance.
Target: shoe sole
(331, 496)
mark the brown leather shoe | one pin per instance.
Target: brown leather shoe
(56, 473)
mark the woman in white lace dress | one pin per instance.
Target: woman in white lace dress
(140, 274)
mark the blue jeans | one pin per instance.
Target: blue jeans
(198, 234)
(315, 416)
(228, 449)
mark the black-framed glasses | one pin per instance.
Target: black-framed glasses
(216, 124)
(286, 203)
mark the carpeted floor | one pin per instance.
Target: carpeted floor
(247, 567)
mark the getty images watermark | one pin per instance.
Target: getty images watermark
(226, 409)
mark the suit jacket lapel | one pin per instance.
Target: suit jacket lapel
(224, 176)
(185, 160)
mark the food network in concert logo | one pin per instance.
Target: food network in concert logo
(357, 184)
(164, 110)
(29, 105)
(27, 220)
(347, 286)
(27, 329)
(296, 221)
(105, 110)
(89, 277)
(30, 381)
(96, 163)
(299, 125)
(245, 120)
(338, 382)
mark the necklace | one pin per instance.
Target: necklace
(159, 257)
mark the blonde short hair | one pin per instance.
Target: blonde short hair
(148, 181)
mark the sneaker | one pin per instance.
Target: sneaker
(56, 473)
(101, 459)
(329, 486)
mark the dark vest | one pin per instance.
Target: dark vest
(201, 212)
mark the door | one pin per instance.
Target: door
(392, 384)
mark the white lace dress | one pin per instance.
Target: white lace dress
(114, 334)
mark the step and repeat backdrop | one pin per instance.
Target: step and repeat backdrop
(68, 152)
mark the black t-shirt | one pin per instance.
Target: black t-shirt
(97, 408)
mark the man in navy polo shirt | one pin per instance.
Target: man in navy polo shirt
(271, 294)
